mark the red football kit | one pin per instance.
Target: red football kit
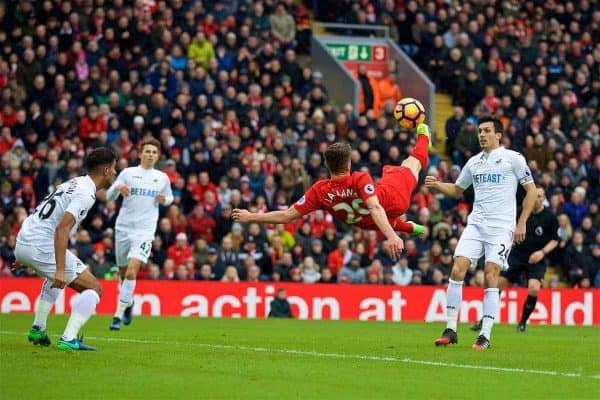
(345, 197)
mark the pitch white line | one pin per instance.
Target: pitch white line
(344, 356)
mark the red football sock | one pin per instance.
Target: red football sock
(421, 150)
(402, 226)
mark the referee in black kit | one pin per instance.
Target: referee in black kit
(529, 257)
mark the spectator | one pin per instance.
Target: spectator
(226, 257)
(283, 26)
(466, 143)
(153, 272)
(352, 272)
(181, 251)
(205, 273)
(387, 91)
(367, 91)
(280, 306)
(201, 51)
(92, 126)
(230, 275)
(580, 261)
(163, 80)
(339, 257)
(401, 274)
(201, 225)
(310, 271)
(576, 208)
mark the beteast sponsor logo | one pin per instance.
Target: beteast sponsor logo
(487, 178)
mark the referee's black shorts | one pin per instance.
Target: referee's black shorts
(519, 266)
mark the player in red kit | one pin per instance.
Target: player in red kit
(355, 199)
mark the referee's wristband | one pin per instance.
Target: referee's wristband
(545, 252)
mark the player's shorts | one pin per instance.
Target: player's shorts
(398, 183)
(477, 241)
(44, 263)
(517, 267)
(132, 244)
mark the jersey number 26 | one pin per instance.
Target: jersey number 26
(49, 204)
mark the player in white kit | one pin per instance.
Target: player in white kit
(495, 174)
(143, 188)
(42, 245)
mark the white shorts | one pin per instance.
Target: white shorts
(493, 243)
(43, 261)
(132, 244)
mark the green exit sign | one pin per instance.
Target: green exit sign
(350, 52)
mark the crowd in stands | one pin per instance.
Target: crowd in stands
(242, 123)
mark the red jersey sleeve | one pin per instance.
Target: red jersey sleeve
(308, 203)
(364, 186)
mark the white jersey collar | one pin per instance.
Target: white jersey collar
(92, 182)
(497, 150)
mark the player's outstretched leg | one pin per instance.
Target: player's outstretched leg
(37, 335)
(423, 130)
(90, 291)
(453, 300)
(410, 227)
(419, 157)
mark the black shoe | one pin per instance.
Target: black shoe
(482, 343)
(476, 326)
(521, 327)
(115, 325)
(448, 337)
(127, 317)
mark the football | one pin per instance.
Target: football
(409, 113)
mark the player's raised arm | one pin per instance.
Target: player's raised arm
(448, 189)
(273, 217)
(396, 245)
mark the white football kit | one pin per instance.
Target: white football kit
(35, 241)
(136, 223)
(490, 227)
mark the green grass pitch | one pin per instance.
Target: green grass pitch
(177, 358)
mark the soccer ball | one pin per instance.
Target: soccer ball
(409, 113)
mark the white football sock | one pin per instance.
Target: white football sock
(82, 311)
(125, 297)
(491, 304)
(47, 299)
(453, 301)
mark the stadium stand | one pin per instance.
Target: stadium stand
(242, 120)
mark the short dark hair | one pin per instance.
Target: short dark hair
(99, 157)
(150, 141)
(337, 156)
(498, 128)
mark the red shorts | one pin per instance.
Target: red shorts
(394, 190)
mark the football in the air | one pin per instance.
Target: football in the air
(409, 113)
